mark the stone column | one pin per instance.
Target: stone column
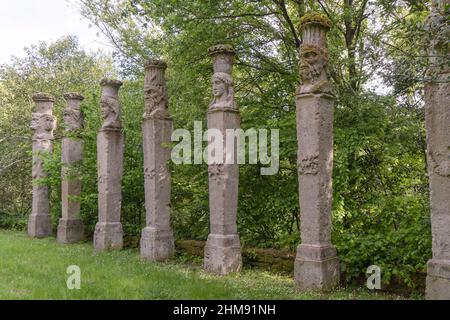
(43, 123)
(437, 117)
(70, 228)
(316, 263)
(157, 243)
(223, 249)
(110, 147)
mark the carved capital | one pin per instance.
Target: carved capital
(223, 58)
(313, 62)
(155, 92)
(314, 19)
(221, 49)
(154, 63)
(111, 83)
(43, 97)
(72, 114)
(110, 105)
(73, 96)
(222, 80)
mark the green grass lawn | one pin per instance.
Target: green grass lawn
(36, 269)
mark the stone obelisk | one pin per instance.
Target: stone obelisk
(71, 228)
(110, 147)
(437, 117)
(222, 250)
(157, 242)
(316, 263)
(43, 123)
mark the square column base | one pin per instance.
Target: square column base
(316, 268)
(39, 225)
(223, 254)
(156, 245)
(438, 280)
(70, 231)
(108, 235)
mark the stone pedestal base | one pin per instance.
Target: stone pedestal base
(70, 231)
(438, 280)
(223, 254)
(157, 245)
(316, 268)
(108, 235)
(39, 225)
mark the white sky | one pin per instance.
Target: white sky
(26, 22)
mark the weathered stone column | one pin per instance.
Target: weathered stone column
(43, 123)
(110, 147)
(437, 117)
(223, 249)
(70, 228)
(157, 243)
(316, 263)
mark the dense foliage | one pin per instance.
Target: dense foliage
(380, 205)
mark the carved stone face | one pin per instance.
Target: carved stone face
(222, 85)
(43, 122)
(219, 87)
(312, 63)
(67, 117)
(105, 109)
(110, 110)
(35, 119)
(73, 119)
(49, 123)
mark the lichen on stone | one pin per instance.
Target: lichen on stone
(73, 96)
(41, 96)
(221, 48)
(314, 18)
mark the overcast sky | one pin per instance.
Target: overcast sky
(25, 22)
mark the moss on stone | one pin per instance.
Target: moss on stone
(42, 96)
(221, 48)
(73, 96)
(314, 18)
